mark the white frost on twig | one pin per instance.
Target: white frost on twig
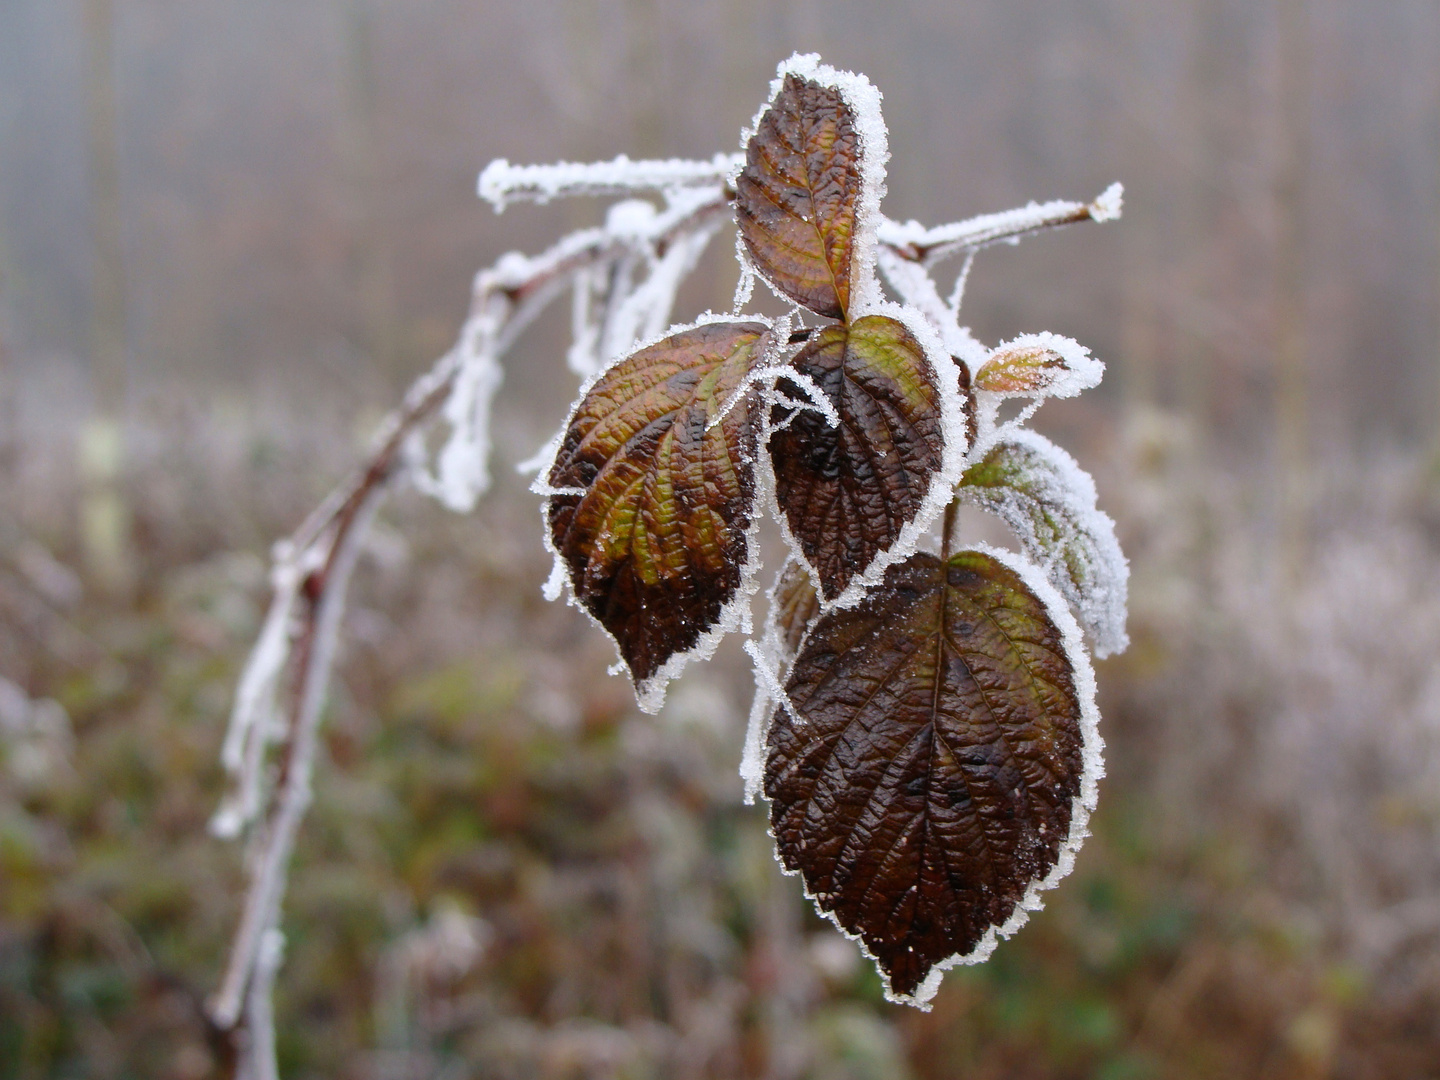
(643, 312)
(502, 183)
(1008, 226)
(254, 725)
(1110, 203)
(258, 1060)
(261, 914)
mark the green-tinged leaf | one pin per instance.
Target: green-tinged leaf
(797, 195)
(1022, 369)
(1049, 502)
(849, 491)
(652, 500)
(936, 762)
(1039, 365)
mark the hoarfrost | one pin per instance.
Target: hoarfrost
(1092, 770)
(502, 183)
(583, 356)
(254, 725)
(1049, 502)
(462, 471)
(1110, 203)
(1077, 372)
(863, 100)
(769, 693)
(1009, 226)
(645, 311)
(952, 463)
(914, 285)
(771, 656)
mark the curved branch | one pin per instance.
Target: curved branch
(311, 573)
(311, 569)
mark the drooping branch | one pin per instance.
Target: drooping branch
(312, 568)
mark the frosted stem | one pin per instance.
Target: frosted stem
(915, 242)
(502, 183)
(312, 569)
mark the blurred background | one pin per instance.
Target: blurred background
(231, 234)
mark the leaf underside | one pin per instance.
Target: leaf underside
(930, 776)
(1038, 490)
(848, 491)
(797, 195)
(793, 606)
(653, 525)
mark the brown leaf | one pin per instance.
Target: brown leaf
(849, 491)
(793, 605)
(931, 776)
(797, 195)
(652, 500)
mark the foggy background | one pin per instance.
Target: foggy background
(235, 232)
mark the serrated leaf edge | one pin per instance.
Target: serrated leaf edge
(1081, 372)
(771, 658)
(1106, 628)
(942, 483)
(734, 614)
(863, 99)
(1092, 770)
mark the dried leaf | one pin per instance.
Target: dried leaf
(797, 196)
(651, 501)
(1049, 502)
(849, 491)
(940, 766)
(1039, 365)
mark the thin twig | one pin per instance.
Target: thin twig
(323, 552)
(915, 242)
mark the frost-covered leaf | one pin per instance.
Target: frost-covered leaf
(652, 492)
(941, 763)
(1049, 502)
(801, 196)
(1039, 365)
(850, 492)
(793, 606)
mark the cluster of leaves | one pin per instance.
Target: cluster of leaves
(930, 739)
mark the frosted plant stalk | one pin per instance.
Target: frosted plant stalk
(625, 275)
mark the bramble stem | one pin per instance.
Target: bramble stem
(328, 542)
(312, 568)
